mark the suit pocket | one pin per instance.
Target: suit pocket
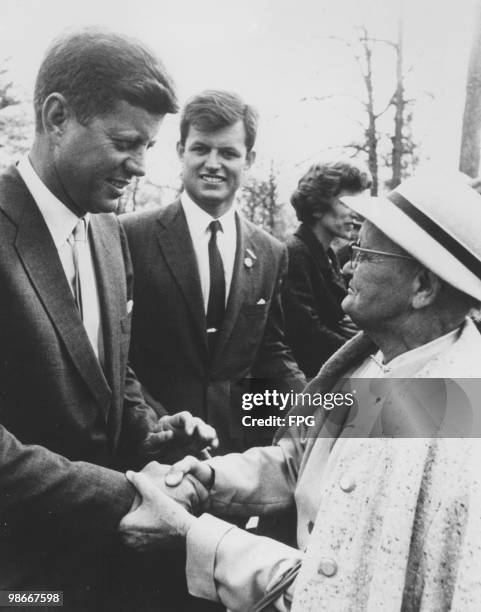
(253, 310)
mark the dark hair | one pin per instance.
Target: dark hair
(323, 182)
(213, 110)
(93, 69)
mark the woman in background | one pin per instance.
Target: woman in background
(315, 323)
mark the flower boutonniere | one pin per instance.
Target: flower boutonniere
(249, 259)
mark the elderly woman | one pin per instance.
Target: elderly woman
(315, 288)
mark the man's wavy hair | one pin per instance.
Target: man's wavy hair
(213, 110)
(323, 182)
(94, 69)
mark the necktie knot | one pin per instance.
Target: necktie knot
(215, 226)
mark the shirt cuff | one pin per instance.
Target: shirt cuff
(203, 539)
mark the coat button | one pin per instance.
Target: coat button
(328, 567)
(347, 484)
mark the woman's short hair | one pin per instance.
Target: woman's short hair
(323, 182)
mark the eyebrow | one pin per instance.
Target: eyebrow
(130, 135)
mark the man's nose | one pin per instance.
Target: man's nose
(212, 162)
(135, 164)
(347, 270)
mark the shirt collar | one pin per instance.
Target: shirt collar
(60, 220)
(418, 356)
(198, 220)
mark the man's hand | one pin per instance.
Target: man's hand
(190, 466)
(157, 521)
(178, 434)
(189, 492)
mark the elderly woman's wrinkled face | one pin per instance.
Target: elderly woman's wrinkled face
(340, 221)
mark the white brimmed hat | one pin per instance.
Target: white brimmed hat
(437, 220)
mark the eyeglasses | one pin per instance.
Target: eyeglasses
(358, 254)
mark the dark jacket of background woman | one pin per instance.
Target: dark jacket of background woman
(312, 298)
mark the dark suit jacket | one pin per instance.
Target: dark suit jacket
(312, 298)
(169, 341)
(55, 394)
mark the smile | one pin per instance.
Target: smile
(117, 186)
(118, 183)
(212, 179)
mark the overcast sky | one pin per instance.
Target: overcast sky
(275, 53)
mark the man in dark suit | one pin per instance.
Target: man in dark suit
(207, 282)
(67, 395)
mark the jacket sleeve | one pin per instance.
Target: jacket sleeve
(43, 491)
(260, 481)
(232, 566)
(274, 359)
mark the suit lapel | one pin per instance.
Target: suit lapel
(108, 264)
(39, 256)
(177, 248)
(242, 282)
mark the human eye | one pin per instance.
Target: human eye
(123, 144)
(200, 149)
(229, 154)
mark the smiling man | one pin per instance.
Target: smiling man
(65, 278)
(207, 282)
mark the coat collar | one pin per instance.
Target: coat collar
(176, 246)
(402, 399)
(307, 236)
(458, 361)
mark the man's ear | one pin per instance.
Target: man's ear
(55, 114)
(180, 150)
(426, 288)
(250, 159)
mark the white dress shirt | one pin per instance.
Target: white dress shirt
(405, 365)
(61, 222)
(198, 222)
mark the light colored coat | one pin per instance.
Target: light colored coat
(395, 522)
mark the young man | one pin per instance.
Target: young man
(207, 282)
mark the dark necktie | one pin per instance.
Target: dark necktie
(216, 303)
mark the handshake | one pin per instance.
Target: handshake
(167, 500)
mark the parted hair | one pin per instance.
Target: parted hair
(323, 182)
(95, 68)
(215, 109)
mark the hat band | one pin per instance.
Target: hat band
(436, 231)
